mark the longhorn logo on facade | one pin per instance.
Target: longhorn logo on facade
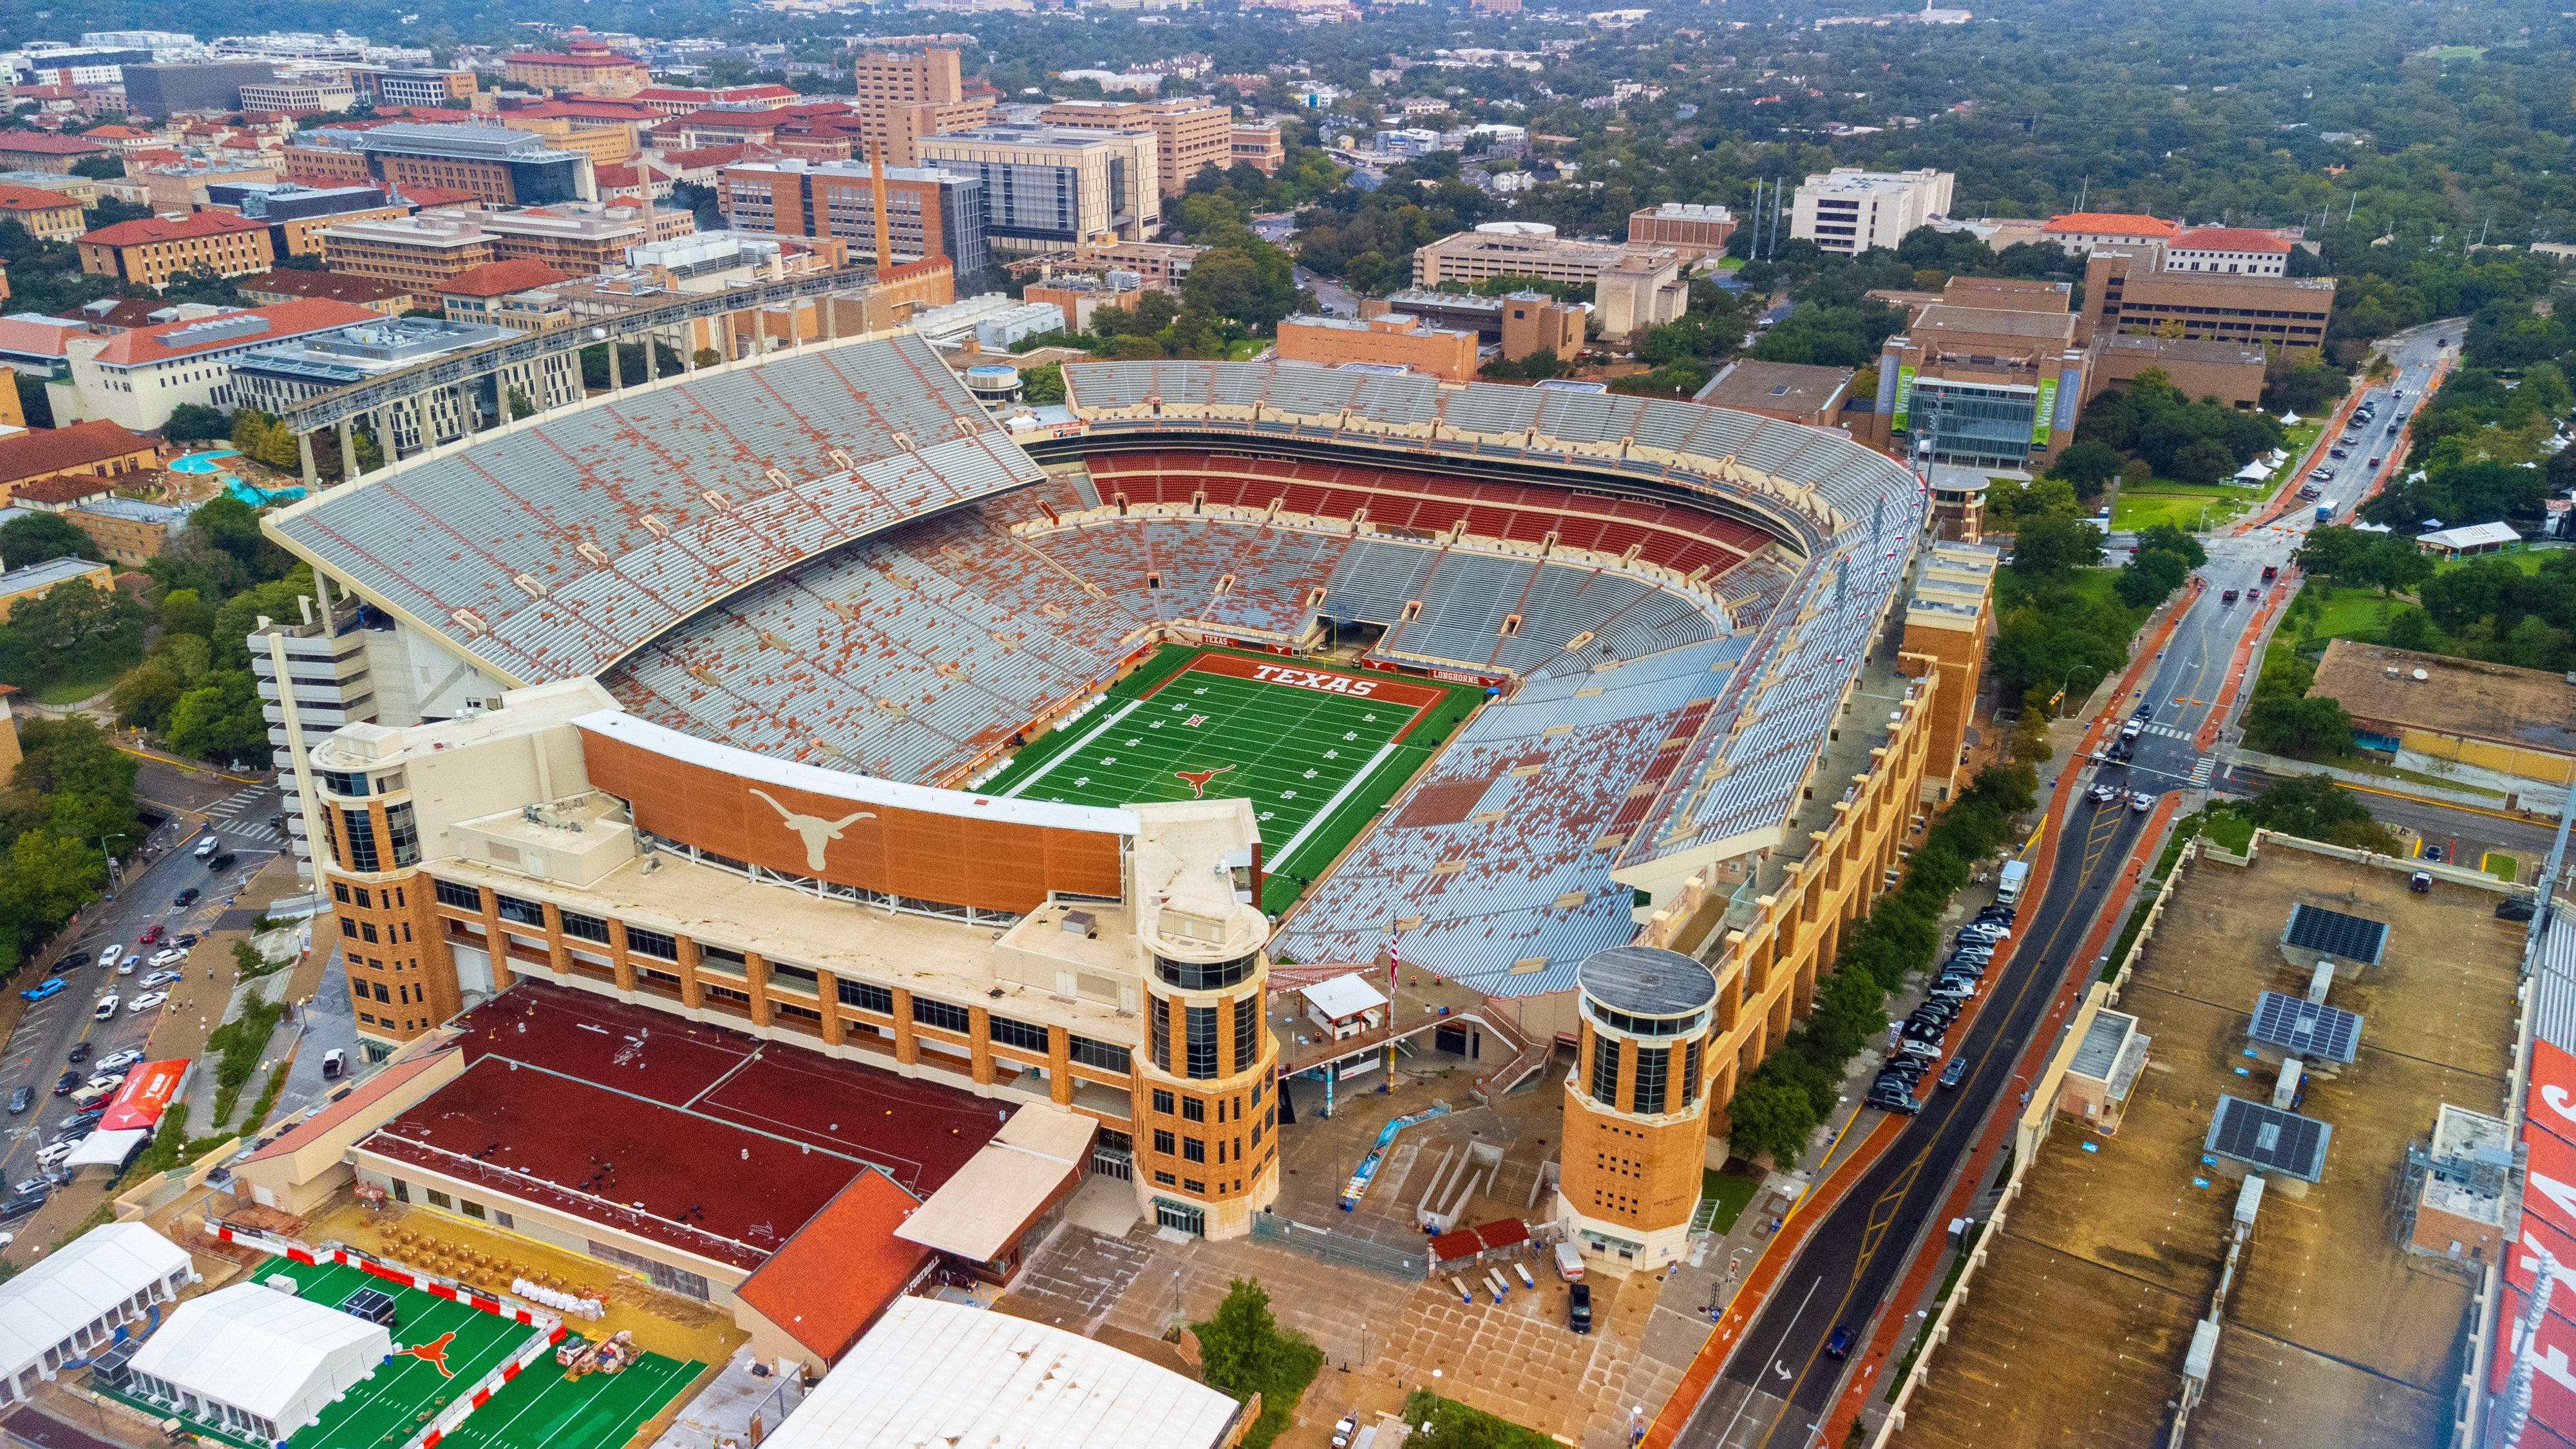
(1197, 780)
(814, 830)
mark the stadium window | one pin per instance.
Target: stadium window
(463, 897)
(471, 1209)
(1163, 1142)
(1158, 1013)
(1690, 1071)
(1164, 1179)
(946, 1016)
(588, 928)
(1027, 1036)
(1162, 1102)
(1100, 1054)
(525, 913)
(1201, 1023)
(795, 978)
(1605, 1071)
(865, 997)
(439, 1199)
(1247, 1031)
(1193, 1109)
(1193, 1149)
(1649, 1092)
(651, 943)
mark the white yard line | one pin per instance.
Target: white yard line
(1040, 773)
(1289, 851)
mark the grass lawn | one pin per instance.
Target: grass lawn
(73, 688)
(1316, 751)
(2350, 613)
(2183, 505)
(2528, 560)
(1456, 1423)
(2502, 866)
(1722, 1199)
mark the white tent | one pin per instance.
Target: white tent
(66, 1306)
(2289, 419)
(2254, 472)
(106, 1149)
(256, 1360)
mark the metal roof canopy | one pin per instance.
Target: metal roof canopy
(2306, 1029)
(2353, 938)
(1647, 981)
(2268, 1138)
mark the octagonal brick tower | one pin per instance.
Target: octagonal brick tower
(1636, 1105)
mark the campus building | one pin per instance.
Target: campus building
(137, 376)
(295, 215)
(1189, 136)
(585, 66)
(1512, 249)
(1793, 392)
(1694, 231)
(2078, 232)
(1988, 377)
(1945, 634)
(1047, 189)
(275, 379)
(149, 251)
(906, 95)
(1848, 211)
(2138, 291)
(47, 215)
(1390, 339)
(499, 165)
(2485, 725)
(930, 211)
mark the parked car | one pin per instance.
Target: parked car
(66, 1084)
(2433, 853)
(172, 957)
(334, 1063)
(160, 978)
(1915, 1046)
(19, 1204)
(21, 1099)
(147, 1001)
(51, 986)
(110, 955)
(1578, 1307)
(188, 897)
(110, 1079)
(184, 940)
(54, 1154)
(1900, 1103)
(1955, 1073)
(73, 962)
(125, 1058)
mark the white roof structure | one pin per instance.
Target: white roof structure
(2474, 535)
(269, 1354)
(936, 1374)
(106, 1149)
(1343, 996)
(78, 1284)
(2254, 472)
(1005, 1185)
(2289, 419)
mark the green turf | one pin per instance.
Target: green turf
(2502, 866)
(1723, 1197)
(1316, 766)
(541, 1409)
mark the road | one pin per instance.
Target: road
(1779, 1384)
(37, 1048)
(1336, 299)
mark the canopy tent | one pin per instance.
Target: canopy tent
(51, 1312)
(106, 1149)
(264, 1355)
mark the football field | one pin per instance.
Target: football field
(1315, 750)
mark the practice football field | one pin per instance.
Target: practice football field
(1315, 750)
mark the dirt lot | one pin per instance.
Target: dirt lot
(2079, 1320)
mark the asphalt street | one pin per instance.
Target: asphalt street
(1779, 1383)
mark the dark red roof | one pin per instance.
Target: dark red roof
(499, 279)
(179, 228)
(46, 143)
(39, 451)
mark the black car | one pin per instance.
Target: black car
(184, 940)
(21, 1099)
(188, 897)
(79, 1053)
(72, 962)
(67, 1083)
(1934, 1013)
(19, 1204)
(1896, 1102)
(221, 863)
(1955, 1073)
(1578, 1307)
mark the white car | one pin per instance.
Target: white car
(161, 978)
(148, 1000)
(2142, 802)
(108, 1079)
(111, 955)
(176, 955)
(53, 1156)
(106, 1009)
(125, 1058)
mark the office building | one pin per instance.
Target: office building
(1189, 136)
(1692, 230)
(159, 91)
(906, 95)
(1154, 266)
(584, 67)
(681, 100)
(1257, 146)
(930, 210)
(1794, 392)
(1644, 288)
(276, 379)
(296, 215)
(2231, 372)
(2231, 250)
(1534, 322)
(499, 295)
(424, 251)
(26, 585)
(136, 377)
(1389, 339)
(1848, 211)
(47, 215)
(426, 89)
(418, 253)
(1512, 249)
(502, 166)
(1047, 189)
(300, 95)
(149, 251)
(2132, 290)
(1989, 377)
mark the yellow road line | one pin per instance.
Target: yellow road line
(2439, 804)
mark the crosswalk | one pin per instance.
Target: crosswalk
(2203, 771)
(2168, 732)
(256, 802)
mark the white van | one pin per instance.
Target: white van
(1569, 1262)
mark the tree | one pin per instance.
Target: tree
(1769, 1116)
(2052, 546)
(74, 630)
(221, 721)
(100, 168)
(2312, 806)
(2149, 578)
(2088, 464)
(43, 879)
(183, 611)
(2308, 726)
(1042, 386)
(1243, 1351)
(2165, 538)
(195, 423)
(41, 536)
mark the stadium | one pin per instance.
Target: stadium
(800, 697)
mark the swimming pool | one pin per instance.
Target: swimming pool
(202, 462)
(260, 497)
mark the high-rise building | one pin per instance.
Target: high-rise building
(425, 88)
(930, 211)
(1189, 136)
(906, 95)
(502, 166)
(1848, 211)
(164, 90)
(1047, 189)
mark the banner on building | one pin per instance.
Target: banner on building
(1904, 396)
(2041, 415)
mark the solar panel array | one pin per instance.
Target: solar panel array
(2333, 933)
(2269, 1138)
(551, 550)
(1743, 771)
(2308, 1030)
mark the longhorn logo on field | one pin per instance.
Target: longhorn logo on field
(1198, 779)
(814, 829)
(433, 1353)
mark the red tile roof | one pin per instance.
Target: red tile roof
(556, 57)
(35, 336)
(61, 488)
(168, 228)
(46, 143)
(499, 279)
(293, 282)
(357, 1100)
(2119, 223)
(286, 321)
(827, 1284)
(2228, 239)
(33, 198)
(41, 451)
(692, 159)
